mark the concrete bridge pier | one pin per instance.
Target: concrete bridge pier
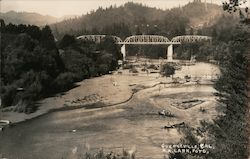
(170, 52)
(123, 51)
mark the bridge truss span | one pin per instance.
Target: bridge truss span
(191, 38)
(98, 38)
(146, 39)
(93, 38)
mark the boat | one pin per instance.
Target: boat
(4, 122)
(179, 125)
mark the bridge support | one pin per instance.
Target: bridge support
(170, 53)
(123, 51)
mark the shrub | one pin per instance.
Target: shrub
(30, 107)
(102, 155)
(93, 71)
(152, 66)
(26, 106)
(65, 81)
(167, 70)
(133, 70)
(127, 66)
(203, 110)
(176, 156)
(8, 94)
(66, 41)
(102, 69)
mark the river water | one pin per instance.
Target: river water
(136, 123)
(69, 134)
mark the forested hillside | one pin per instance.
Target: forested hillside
(133, 18)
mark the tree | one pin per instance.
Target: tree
(138, 31)
(121, 30)
(234, 6)
(28, 63)
(47, 38)
(214, 33)
(191, 31)
(2, 27)
(67, 40)
(34, 32)
(108, 44)
(168, 70)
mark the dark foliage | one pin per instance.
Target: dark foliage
(232, 6)
(228, 133)
(168, 70)
(33, 67)
(67, 40)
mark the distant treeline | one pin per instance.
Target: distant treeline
(34, 65)
(133, 18)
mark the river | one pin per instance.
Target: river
(134, 124)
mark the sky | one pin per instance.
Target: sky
(59, 8)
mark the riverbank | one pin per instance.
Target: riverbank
(103, 91)
(107, 90)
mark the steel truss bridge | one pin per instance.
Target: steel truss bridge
(148, 40)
